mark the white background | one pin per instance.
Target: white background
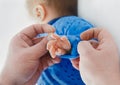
(103, 13)
(13, 18)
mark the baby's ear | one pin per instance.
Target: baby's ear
(39, 12)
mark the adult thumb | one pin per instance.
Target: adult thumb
(85, 48)
(40, 48)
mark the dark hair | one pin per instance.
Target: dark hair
(63, 7)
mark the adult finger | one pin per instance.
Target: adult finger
(100, 34)
(33, 30)
(75, 63)
(94, 43)
(85, 48)
(103, 36)
(37, 40)
(46, 61)
(40, 48)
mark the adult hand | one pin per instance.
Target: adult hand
(99, 62)
(27, 57)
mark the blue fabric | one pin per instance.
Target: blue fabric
(72, 27)
(64, 73)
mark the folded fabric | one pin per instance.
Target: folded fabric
(64, 73)
(71, 27)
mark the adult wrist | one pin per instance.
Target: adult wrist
(111, 80)
(7, 78)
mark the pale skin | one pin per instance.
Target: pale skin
(99, 62)
(58, 45)
(96, 67)
(27, 57)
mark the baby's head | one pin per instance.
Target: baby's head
(46, 10)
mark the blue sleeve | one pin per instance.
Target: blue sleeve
(73, 35)
(71, 27)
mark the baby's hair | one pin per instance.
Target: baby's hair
(63, 7)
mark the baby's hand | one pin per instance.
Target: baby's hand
(58, 45)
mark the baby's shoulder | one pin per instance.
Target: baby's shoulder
(71, 23)
(71, 19)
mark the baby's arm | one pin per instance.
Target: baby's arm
(58, 45)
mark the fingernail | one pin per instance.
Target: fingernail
(51, 29)
(49, 37)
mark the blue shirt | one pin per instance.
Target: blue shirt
(63, 73)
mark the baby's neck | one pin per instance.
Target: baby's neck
(50, 17)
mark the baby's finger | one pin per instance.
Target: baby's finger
(51, 43)
(52, 52)
(66, 43)
(63, 43)
(55, 36)
(60, 52)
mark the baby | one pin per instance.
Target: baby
(62, 15)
